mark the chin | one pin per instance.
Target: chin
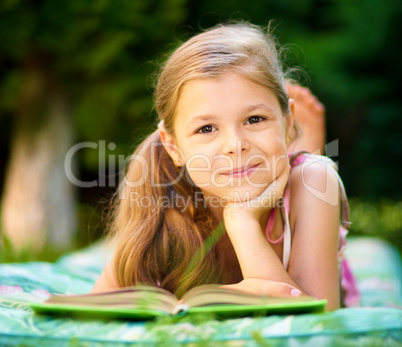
(240, 194)
(235, 191)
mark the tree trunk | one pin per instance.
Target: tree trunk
(38, 200)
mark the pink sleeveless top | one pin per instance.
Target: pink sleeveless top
(349, 289)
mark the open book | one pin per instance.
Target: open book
(147, 302)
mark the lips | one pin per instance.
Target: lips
(239, 170)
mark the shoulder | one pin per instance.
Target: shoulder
(314, 185)
(316, 175)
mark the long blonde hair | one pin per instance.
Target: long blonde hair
(155, 244)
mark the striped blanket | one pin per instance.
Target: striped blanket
(376, 322)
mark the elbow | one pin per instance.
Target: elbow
(333, 304)
(331, 308)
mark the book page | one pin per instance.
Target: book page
(212, 294)
(137, 297)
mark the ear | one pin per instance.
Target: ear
(289, 122)
(170, 146)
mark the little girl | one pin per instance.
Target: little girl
(225, 153)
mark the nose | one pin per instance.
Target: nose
(235, 142)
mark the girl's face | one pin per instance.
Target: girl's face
(226, 124)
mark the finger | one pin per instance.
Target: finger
(264, 287)
(273, 288)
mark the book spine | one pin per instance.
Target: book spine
(180, 310)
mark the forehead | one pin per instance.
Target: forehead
(229, 94)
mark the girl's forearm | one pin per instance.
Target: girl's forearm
(256, 257)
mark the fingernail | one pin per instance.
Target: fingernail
(295, 292)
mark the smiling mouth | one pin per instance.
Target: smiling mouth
(243, 172)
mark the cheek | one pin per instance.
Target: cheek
(200, 178)
(198, 167)
(276, 154)
(278, 166)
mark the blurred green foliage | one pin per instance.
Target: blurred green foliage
(377, 218)
(98, 52)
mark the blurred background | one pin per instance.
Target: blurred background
(76, 83)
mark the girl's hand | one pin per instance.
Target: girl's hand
(265, 287)
(257, 206)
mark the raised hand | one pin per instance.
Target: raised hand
(258, 205)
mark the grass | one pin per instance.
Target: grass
(48, 253)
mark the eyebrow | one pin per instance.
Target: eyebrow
(247, 109)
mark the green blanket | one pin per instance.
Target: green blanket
(377, 322)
